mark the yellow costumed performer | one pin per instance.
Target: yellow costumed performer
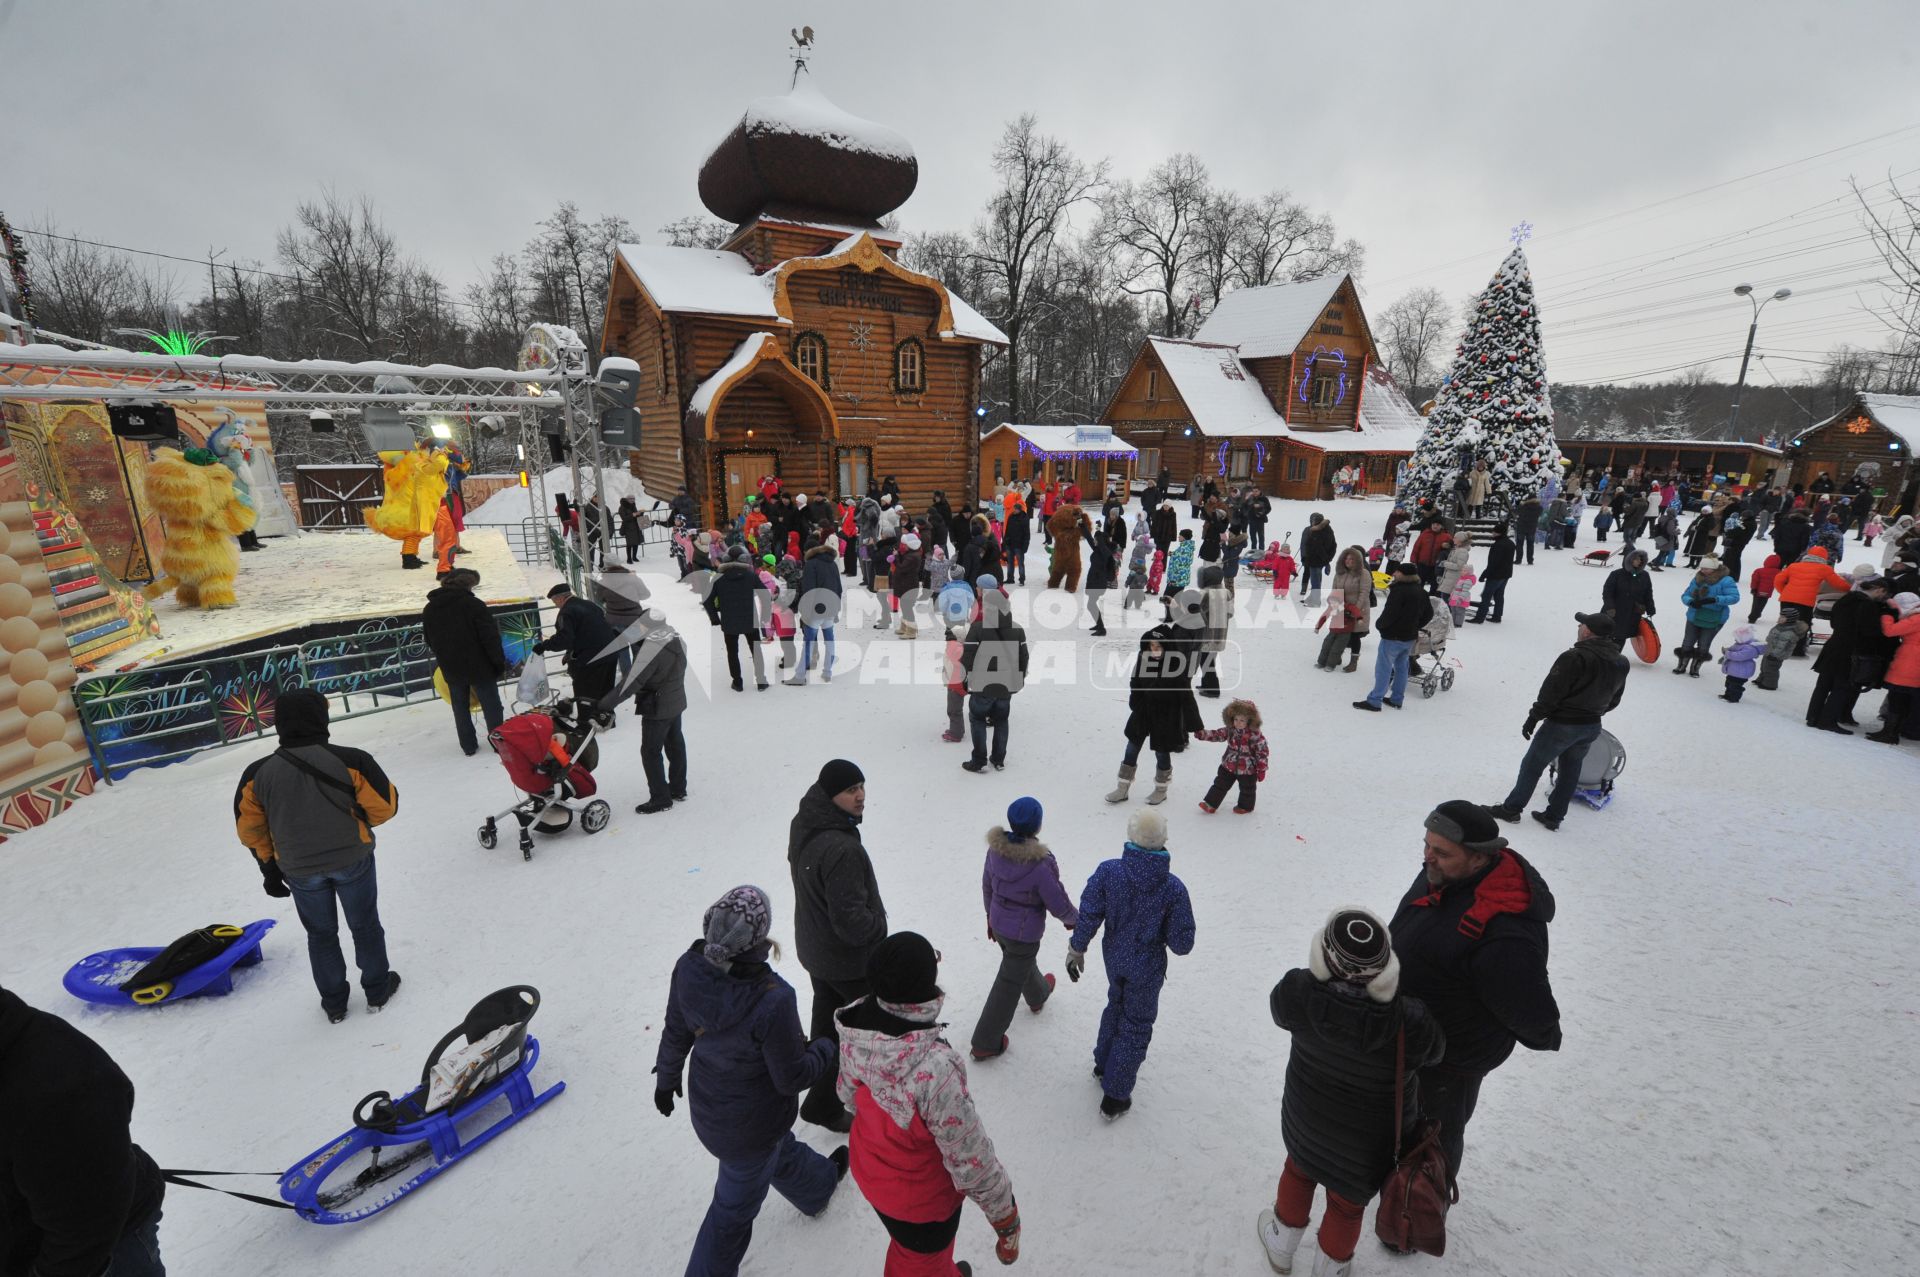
(194, 496)
(416, 484)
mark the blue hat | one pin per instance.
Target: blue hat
(1023, 817)
(987, 582)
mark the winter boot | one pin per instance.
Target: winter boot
(1694, 669)
(412, 561)
(1682, 656)
(1353, 662)
(1279, 1241)
(1888, 735)
(1324, 1265)
(1160, 782)
(1119, 794)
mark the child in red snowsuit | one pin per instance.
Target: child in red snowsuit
(1244, 763)
(1280, 562)
(1760, 585)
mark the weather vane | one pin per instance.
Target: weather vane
(1521, 233)
(802, 50)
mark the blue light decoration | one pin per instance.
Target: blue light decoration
(1259, 457)
(1306, 375)
(1220, 457)
(981, 411)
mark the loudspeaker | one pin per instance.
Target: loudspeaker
(385, 430)
(557, 447)
(144, 423)
(620, 428)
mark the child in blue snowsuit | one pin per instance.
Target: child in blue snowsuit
(1146, 912)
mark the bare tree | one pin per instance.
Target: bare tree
(1412, 333)
(1040, 181)
(87, 291)
(571, 261)
(1217, 236)
(349, 267)
(1149, 225)
(498, 309)
(695, 231)
(1279, 239)
(1896, 235)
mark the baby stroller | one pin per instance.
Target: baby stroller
(1606, 759)
(550, 754)
(1437, 675)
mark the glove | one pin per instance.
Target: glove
(1526, 732)
(1076, 963)
(275, 882)
(990, 936)
(1007, 1248)
(663, 1099)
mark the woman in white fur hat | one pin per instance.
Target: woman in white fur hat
(1346, 1016)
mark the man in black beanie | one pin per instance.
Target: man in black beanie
(1471, 936)
(838, 914)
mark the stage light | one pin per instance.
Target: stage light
(519, 452)
(441, 430)
(523, 480)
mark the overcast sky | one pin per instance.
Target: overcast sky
(1426, 130)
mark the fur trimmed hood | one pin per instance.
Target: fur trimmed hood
(1241, 707)
(1027, 851)
(821, 551)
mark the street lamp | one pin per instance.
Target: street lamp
(1746, 291)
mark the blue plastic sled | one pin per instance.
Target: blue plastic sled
(97, 977)
(395, 1146)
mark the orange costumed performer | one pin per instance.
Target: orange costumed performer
(416, 484)
(194, 496)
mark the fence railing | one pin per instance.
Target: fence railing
(531, 539)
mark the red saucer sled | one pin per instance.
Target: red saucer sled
(1646, 644)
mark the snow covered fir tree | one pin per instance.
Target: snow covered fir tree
(1494, 404)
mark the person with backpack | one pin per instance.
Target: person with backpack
(740, 1022)
(1354, 1034)
(307, 811)
(994, 656)
(77, 1195)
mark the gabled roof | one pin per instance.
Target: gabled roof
(1269, 321)
(707, 281)
(1898, 414)
(1066, 439)
(1221, 396)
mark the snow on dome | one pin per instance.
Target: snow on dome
(801, 156)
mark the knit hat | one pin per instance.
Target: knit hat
(1907, 602)
(1467, 823)
(903, 969)
(839, 775)
(987, 582)
(736, 925)
(1862, 572)
(1147, 830)
(1023, 818)
(1355, 946)
(911, 541)
(767, 559)
(1744, 634)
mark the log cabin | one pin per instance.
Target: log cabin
(801, 347)
(1875, 434)
(1281, 387)
(1092, 456)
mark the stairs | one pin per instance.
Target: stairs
(95, 622)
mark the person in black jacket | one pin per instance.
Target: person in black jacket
(738, 602)
(465, 641)
(1792, 535)
(994, 657)
(1163, 525)
(838, 917)
(1161, 710)
(1493, 582)
(1626, 597)
(1015, 539)
(78, 1198)
(581, 631)
(1526, 523)
(1471, 936)
(1586, 682)
(1856, 633)
(1317, 548)
(1347, 1017)
(1103, 566)
(1407, 609)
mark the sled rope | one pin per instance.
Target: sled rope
(179, 1177)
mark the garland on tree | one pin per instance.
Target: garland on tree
(1493, 404)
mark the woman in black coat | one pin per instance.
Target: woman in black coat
(1346, 1016)
(1163, 525)
(1102, 569)
(630, 527)
(1162, 712)
(1856, 633)
(1626, 597)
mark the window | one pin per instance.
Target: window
(1038, 466)
(1324, 390)
(1296, 469)
(1239, 464)
(810, 357)
(1153, 384)
(909, 367)
(855, 465)
(1149, 462)
(997, 475)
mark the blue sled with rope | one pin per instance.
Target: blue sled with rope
(476, 1084)
(199, 963)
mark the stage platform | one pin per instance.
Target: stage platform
(318, 578)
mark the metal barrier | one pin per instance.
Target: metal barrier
(531, 539)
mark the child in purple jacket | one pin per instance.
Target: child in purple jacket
(1020, 887)
(1737, 659)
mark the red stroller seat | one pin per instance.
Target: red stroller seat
(549, 756)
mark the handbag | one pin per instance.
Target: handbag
(1866, 671)
(1414, 1200)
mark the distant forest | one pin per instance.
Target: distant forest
(1693, 410)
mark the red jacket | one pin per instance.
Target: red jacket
(1763, 576)
(1430, 546)
(1799, 583)
(1904, 669)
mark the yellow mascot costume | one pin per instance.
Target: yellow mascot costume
(193, 495)
(416, 483)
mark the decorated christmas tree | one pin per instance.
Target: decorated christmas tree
(1493, 405)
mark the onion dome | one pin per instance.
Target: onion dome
(801, 156)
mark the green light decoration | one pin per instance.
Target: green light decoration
(175, 342)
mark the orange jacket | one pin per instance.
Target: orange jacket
(444, 539)
(1904, 669)
(1800, 582)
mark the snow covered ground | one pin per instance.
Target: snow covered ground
(323, 576)
(511, 505)
(1733, 955)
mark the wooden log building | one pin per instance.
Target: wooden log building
(1282, 386)
(801, 348)
(1092, 456)
(1743, 462)
(1875, 433)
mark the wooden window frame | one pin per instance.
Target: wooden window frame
(812, 341)
(901, 349)
(1240, 465)
(1325, 389)
(1296, 469)
(1153, 385)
